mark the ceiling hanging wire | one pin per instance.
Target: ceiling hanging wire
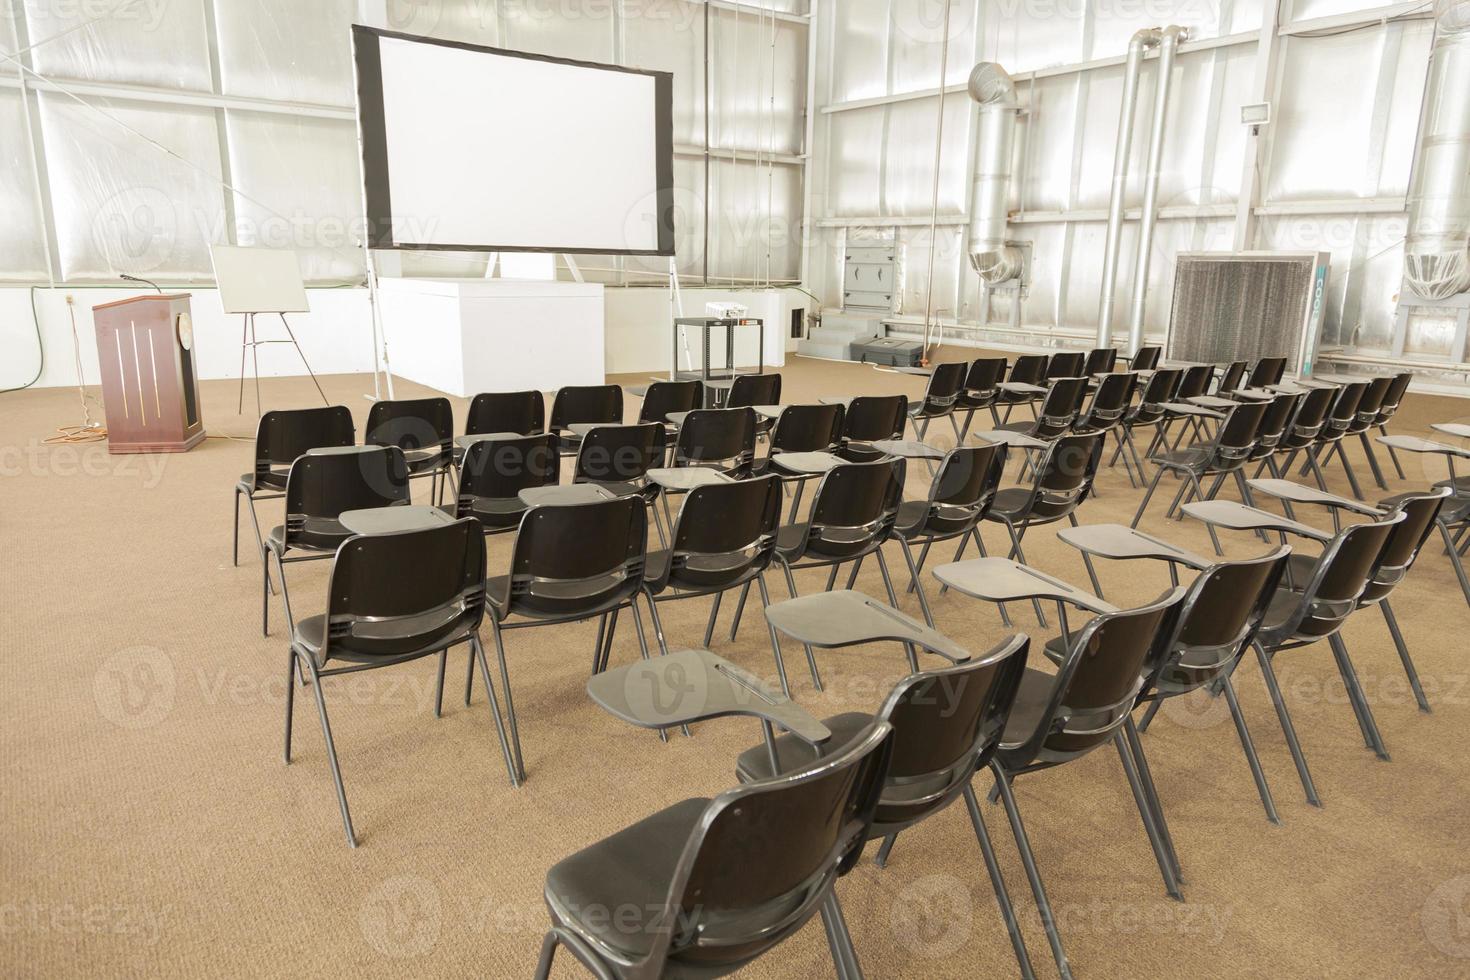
(934, 200)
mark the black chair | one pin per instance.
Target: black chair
(1340, 419)
(1365, 418)
(1066, 364)
(1232, 378)
(1029, 369)
(940, 397)
(318, 490)
(618, 458)
(854, 511)
(1063, 480)
(722, 438)
(981, 390)
(870, 418)
(570, 563)
(1275, 422)
(1194, 382)
(583, 405)
(947, 725)
(391, 599)
(962, 491)
(1063, 716)
(1060, 409)
(495, 471)
(1110, 403)
(1225, 456)
(1100, 360)
(1147, 359)
(801, 429)
(1268, 371)
(424, 429)
(519, 412)
(1150, 412)
(724, 538)
(1392, 400)
(1316, 607)
(664, 398)
(749, 390)
(280, 437)
(715, 884)
(1306, 424)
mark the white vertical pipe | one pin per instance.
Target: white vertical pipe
(934, 201)
(1435, 257)
(1172, 35)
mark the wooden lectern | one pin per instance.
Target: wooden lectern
(150, 387)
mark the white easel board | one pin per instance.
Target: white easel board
(259, 280)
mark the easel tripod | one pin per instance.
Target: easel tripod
(248, 340)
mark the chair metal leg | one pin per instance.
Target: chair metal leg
(1347, 468)
(548, 954)
(844, 954)
(1148, 716)
(775, 638)
(811, 657)
(235, 551)
(1148, 495)
(1248, 745)
(739, 612)
(439, 683)
(477, 654)
(1316, 469)
(607, 641)
(510, 707)
(997, 882)
(885, 850)
(915, 584)
(1372, 460)
(1444, 530)
(291, 669)
(597, 647)
(663, 734)
(1403, 650)
(285, 593)
(857, 566)
(1383, 431)
(714, 613)
(658, 624)
(1087, 561)
(919, 565)
(1019, 554)
(265, 595)
(1287, 728)
(1358, 698)
(913, 653)
(658, 525)
(1145, 813)
(321, 708)
(1028, 861)
(1151, 792)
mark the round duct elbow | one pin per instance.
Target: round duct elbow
(991, 86)
(1437, 246)
(995, 264)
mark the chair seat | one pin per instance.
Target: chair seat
(275, 480)
(425, 460)
(1010, 502)
(755, 762)
(1190, 459)
(632, 869)
(911, 513)
(321, 535)
(379, 641)
(789, 538)
(1032, 698)
(1283, 604)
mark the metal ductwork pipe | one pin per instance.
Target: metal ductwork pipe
(1436, 263)
(1168, 47)
(1140, 42)
(994, 90)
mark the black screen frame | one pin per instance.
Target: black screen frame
(373, 138)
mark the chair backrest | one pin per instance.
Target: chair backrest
(1233, 376)
(1394, 397)
(1066, 364)
(1221, 613)
(754, 389)
(1338, 580)
(945, 385)
(1100, 360)
(717, 436)
(1060, 408)
(1345, 408)
(963, 489)
(321, 487)
(419, 423)
(620, 453)
(984, 374)
(1030, 368)
(665, 397)
(855, 508)
(725, 534)
(499, 469)
(1311, 415)
(1100, 678)
(763, 858)
(1196, 381)
(1147, 358)
(1160, 389)
(947, 723)
(395, 595)
(1110, 401)
(1371, 404)
(1278, 415)
(1268, 371)
(521, 412)
(1402, 549)
(1065, 475)
(808, 428)
(872, 417)
(574, 559)
(1236, 438)
(283, 435)
(586, 403)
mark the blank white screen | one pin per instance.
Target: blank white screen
(492, 150)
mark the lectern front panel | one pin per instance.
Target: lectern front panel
(149, 382)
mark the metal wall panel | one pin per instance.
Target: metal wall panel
(908, 157)
(125, 43)
(581, 29)
(675, 43)
(918, 32)
(1035, 35)
(1044, 138)
(860, 40)
(741, 87)
(286, 49)
(123, 205)
(854, 149)
(757, 210)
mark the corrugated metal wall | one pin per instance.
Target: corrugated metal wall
(1345, 79)
(117, 159)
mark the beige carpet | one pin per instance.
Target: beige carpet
(148, 826)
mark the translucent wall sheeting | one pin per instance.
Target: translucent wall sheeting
(22, 253)
(145, 42)
(287, 49)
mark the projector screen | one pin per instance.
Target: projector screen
(481, 149)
